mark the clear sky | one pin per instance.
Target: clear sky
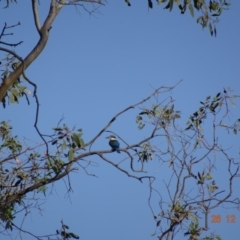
(95, 66)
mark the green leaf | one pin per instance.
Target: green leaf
(64, 145)
(12, 98)
(73, 235)
(169, 5)
(150, 4)
(161, 1)
(66, 226)
(138, 118)
(15, 92)
(57, 129)
(21, 88)
(232, 102)
(141, 126)
(199, 19)
(76, 140)
(82, 142)
(197, 4)
(177, 2)
(208, 176)
(71, 154)
(213, 106)
(190, 6)
(54, 142)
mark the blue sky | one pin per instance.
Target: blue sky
(95, 66)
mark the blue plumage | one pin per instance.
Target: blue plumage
(114, 144)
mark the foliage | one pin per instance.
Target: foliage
(65, 234)
(209, 11)
(190, 153)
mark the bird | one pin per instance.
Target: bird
(114, 144)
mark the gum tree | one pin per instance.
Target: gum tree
(28, 170)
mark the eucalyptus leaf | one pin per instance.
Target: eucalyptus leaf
(190, 7)
(71, 154)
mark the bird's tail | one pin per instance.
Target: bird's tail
(117, 149)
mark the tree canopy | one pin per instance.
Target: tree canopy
(190, 152)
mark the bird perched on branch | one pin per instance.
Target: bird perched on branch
(114, 144)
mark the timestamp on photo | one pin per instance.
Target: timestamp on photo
(219, 218)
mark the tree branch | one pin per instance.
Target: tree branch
(44, 33)
(34, 94)
(36, 16)
(165, 89)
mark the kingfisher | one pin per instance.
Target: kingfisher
(114, 144)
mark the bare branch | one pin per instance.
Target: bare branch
(5, 34)
(11, 44)
(36, 16)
